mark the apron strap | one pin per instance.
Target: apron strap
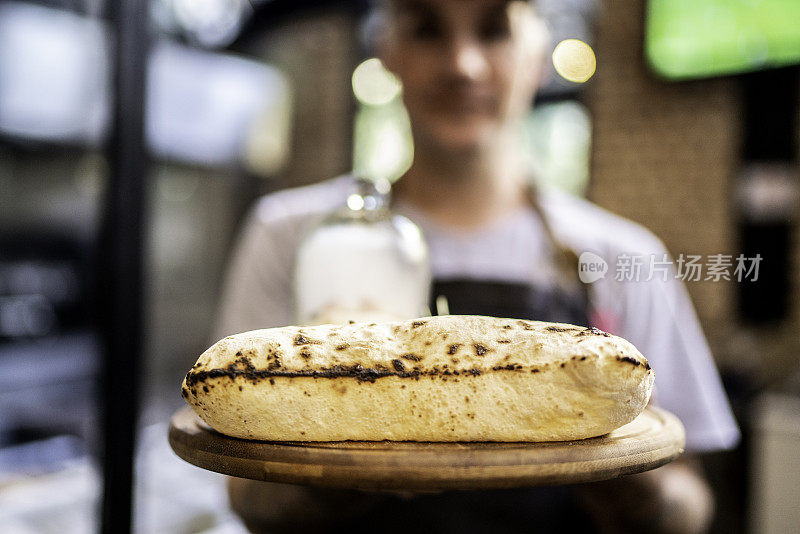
(566, 259)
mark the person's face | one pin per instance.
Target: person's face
(468, 67)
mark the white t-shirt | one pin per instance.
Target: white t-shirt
(656, 315)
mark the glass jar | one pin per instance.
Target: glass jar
(362, 263)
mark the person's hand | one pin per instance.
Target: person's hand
(673, 499)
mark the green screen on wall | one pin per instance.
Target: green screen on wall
(701, 38)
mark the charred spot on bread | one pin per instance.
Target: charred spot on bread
(453, 348)
(508, 367)
(560, 329)
(480, 350)
(417, 324)
(594, 331)
(634, 361)
(243, 362)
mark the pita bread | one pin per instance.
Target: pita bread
(446, 378)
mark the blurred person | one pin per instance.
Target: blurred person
(470, 70)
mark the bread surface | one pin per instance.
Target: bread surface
(445, 378)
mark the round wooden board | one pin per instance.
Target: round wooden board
(653, 439)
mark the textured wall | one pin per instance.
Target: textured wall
(665, 154)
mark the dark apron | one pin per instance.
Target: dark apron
(512, 300)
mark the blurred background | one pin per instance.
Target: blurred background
(689, 125)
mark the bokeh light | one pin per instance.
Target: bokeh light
(382, 144)
(355, 202)
(373, 84)
(574, 60)
(211, 23)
